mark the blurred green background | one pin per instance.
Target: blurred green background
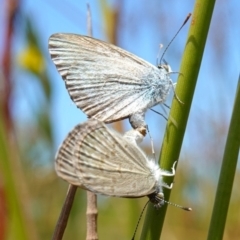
(36, 113)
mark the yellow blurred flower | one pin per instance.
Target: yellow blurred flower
(31, 59)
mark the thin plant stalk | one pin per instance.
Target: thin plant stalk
(186, 83)
(66, 209)
(227, 174)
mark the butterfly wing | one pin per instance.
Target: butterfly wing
(103, 80)
(102, 161)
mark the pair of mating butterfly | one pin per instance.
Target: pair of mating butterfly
(109, 84)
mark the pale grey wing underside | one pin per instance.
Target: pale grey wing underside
(104, 81)
(102, 161)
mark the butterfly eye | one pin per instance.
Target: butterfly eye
(163, 66)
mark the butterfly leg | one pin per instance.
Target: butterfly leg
(169, 174)
(167, 186)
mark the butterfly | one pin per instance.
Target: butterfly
(106, 82)
(101, 160)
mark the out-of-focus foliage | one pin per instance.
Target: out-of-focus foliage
(27, 176)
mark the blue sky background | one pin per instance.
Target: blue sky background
(143, 26)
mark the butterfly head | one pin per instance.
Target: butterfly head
(157, 198)
(165, 66)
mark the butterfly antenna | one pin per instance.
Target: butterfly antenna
(185, 21)
(140, 217)
(178, 206)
